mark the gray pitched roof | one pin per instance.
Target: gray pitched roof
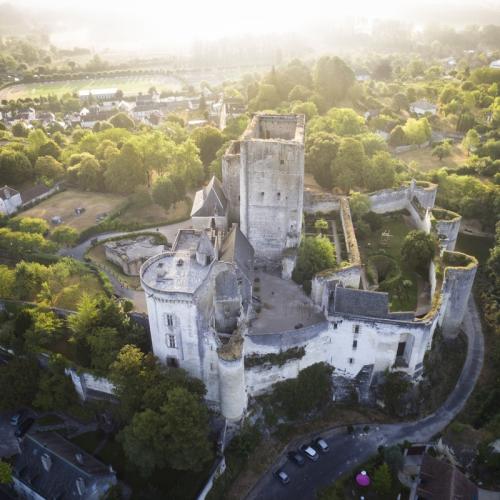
(68, 464)
(236, 248)
(361, 302)
(210, 200)
(7, 192)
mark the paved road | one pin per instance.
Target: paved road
(348, 451)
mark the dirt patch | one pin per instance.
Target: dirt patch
(63, 205)
(426, 161)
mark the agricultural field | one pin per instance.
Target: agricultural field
(128, 84)
(426, 161)
(64, 204)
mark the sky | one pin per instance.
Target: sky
(147, 23)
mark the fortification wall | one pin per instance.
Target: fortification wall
(233, 397)
(231, 180)
(348, 276)
(425, 192)
(389, 200)
(349, 233)
(315, 202)
(447, 226)
(459, 273)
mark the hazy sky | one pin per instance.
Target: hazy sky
(153, 22)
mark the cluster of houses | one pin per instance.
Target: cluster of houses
(101, 104)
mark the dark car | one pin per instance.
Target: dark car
(24, 427)
(282, 476)
(297, 458)
(17, 417)
(321, 445)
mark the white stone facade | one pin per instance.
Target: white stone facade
(201, 296)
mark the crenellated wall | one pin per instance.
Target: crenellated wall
(315, 202)
(447, 225)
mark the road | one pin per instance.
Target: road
(349, 451)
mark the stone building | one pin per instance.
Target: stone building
(221, 304)
(10, 200)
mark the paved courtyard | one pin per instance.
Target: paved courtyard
(283, 305)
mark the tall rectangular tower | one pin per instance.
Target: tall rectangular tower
(271, 183)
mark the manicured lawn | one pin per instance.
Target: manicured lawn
(396, 230)
(426, 161)
(128, 84)
(64, 204)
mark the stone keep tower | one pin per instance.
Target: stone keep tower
(263, 175)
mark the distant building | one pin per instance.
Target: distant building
(363, 77)
(495, 64)
(28, 114)
(423, 107)
(10, 200)
(98, 94)
(50, 467)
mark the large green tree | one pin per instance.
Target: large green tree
(332, 79)
(209, 140)
(418, 250)
(350, 164)
(125, 171)
(19, 383)
(15, 167)
(380, 172)
(315, 254)
(321, 150)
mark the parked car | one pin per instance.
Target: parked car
(282, 476)
(309, 452)
(297, 458)
(17, 417)
(24, 427)
(321, 444)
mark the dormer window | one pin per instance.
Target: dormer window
(278, 195)
(46, 461)
(80, 486)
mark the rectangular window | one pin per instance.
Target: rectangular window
(355, 328)
(172, 362)
(335, 326)
(170, 320)
(351, 361)
(171, 342)
(354, 344)
(401, 349)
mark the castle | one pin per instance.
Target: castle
(221, 303)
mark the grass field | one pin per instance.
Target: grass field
(426, 161)
(155, 214)
(128, 84)
(64, 204)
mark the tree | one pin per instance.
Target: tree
(209, 140)
(381, 172)
(359, 204)
(45, 328)
(56, 390)
(19, 130)
(48, 167)
(393, 457)
(332, 79)
(90, 174)
(349, 165)
(400, 101)
(418, 250)
(398, 137)
(382, 481)
(19, 382)
(441, 150)
(122, 120)
(50, 148)
(471, 140)
(31, 225)
(64, 235)
(310, 391)
(315, 254)
(168, 190)
(321, 225)
(125, 171)
(267, 98)
(299, 93)
(104, 344)
(309, 109)
(15, 167)
(417, 131)
(5, 472)
(321, 150)
(394, 387)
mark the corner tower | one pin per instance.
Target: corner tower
(271, 183)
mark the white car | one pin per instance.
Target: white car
(310, 452)
(321, 445)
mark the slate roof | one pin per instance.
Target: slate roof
(210, 200)
(361, 302)
(442, 481)
(236, 248)
(425, 105)
(60, 480)
(33, 192)
(7, 192)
